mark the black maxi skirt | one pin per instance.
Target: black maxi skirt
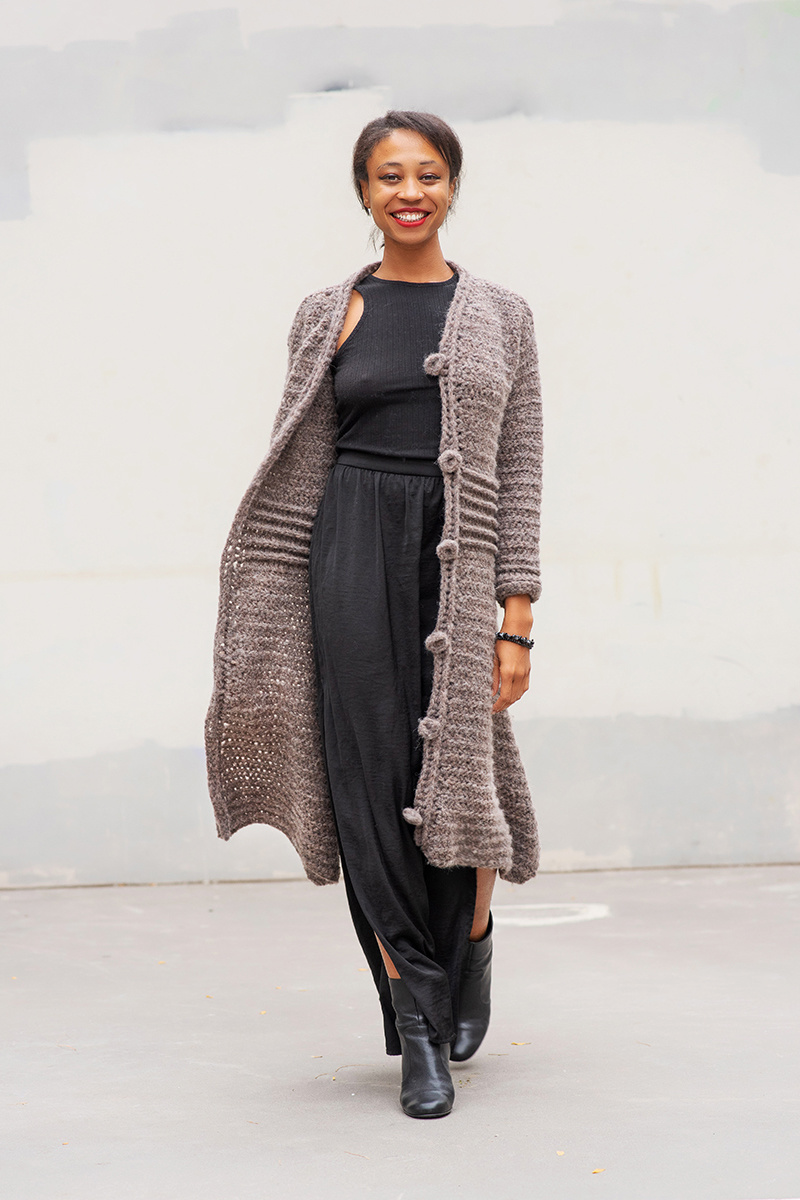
(374, 583)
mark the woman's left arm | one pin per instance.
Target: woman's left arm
(512, 662)
(519, 472)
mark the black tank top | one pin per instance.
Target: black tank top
(385, 403)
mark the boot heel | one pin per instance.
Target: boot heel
(474, 1007)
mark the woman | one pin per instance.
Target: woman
(361, 688)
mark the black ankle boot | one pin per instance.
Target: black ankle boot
(427, 1089)
(474, 1005)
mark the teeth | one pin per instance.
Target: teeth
(410, 218)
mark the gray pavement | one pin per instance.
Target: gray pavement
(223, 1041)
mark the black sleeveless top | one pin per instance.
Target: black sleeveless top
(385, 403)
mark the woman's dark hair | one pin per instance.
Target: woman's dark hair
(432, 128)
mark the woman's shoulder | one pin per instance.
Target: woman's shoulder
(326, 298)
(508, 302)
(317, 303)
(318, 307)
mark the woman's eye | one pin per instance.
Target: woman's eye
(425, 178)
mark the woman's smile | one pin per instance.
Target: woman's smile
(409, 216)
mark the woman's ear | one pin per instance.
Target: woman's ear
(365, 193)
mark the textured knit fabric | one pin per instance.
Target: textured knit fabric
(374, 577)
(385, 401)
(472, 805)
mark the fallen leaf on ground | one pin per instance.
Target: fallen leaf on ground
(559, 1152)
(316, 1056)
(520, 1043)
(263, 1012)
(598, 1170)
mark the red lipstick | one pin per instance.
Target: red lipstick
(419, 215)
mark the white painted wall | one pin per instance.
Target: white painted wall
(56, 23)
(144, 306)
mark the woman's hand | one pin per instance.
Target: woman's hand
(512, 669)
(512, 662)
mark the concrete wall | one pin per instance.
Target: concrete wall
(174, 178)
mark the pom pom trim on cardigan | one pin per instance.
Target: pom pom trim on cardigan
(472, 805)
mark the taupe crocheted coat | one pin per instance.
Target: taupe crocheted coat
(472, 805)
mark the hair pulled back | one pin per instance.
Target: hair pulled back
(432, 128)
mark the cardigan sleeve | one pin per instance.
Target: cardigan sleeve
(519, 472)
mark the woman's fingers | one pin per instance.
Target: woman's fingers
(495, 675)
(512, 667)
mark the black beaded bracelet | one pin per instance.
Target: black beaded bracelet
(515, 637)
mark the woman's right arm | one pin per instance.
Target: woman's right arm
(294, 341)
(296, 330)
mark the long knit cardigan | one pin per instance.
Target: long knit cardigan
(472, 806)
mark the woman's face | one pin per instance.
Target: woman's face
(409, 189)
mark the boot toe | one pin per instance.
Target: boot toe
(467, 1042)
(432, 1104)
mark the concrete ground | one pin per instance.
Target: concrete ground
(224, 1042)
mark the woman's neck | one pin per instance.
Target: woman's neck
(414, 264)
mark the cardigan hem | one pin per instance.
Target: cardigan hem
(226, 830)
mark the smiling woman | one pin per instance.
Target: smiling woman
(361, 686)
(407, 176)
